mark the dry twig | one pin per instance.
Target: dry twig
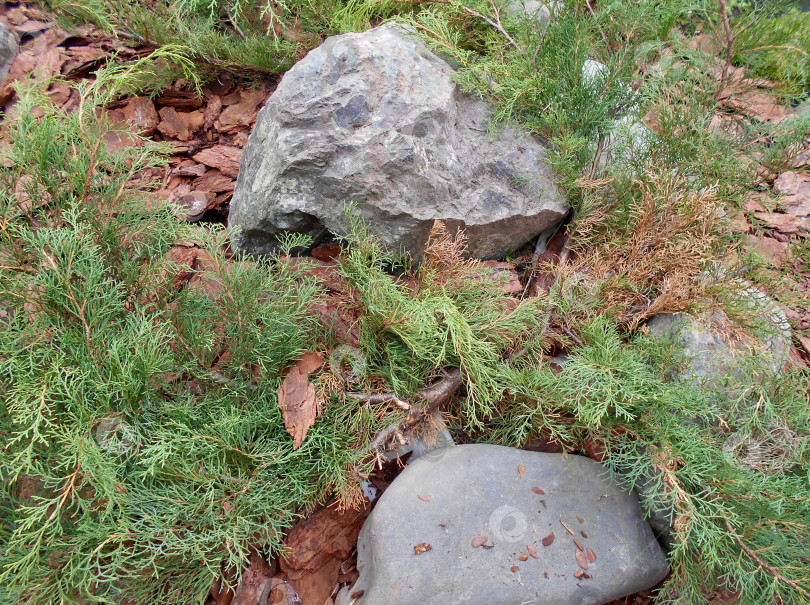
(730, 37)
(430, 398)
(496, 24)
(379, 398)
(235, 24)
(771, 570)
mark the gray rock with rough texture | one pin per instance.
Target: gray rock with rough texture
(477, 490)
(375, 119)
(8, 50)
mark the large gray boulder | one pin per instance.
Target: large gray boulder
(512, 499)
(376, 119)
(8, 50)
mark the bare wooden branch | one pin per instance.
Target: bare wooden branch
(771, 570)
(235, 24)
(431, 398)
(19, 269)
(730, 38)
(378, 398)
(573, 336)
(496, 24)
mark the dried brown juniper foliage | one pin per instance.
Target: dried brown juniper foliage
(445, 258)
(655, 262)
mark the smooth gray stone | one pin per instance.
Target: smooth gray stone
(8, 50)
(375, 119)
(655, 502)
(477, 490)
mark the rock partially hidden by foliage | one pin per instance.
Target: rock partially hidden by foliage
(376, 119)
(716, 346)
(504, 527)
(8, 50)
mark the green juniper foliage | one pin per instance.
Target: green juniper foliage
(454, 316)
(249, 38)
(145, 454)
(772, 39)
(675, 439)
(144, 451)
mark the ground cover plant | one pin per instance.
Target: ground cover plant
(146, 454)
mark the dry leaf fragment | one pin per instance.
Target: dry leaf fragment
(178, 124)
(753, 205)
(533, 551)
(580, 519)
(487, 546)
(786, 223)
(479, 541)
(543, 502)
(584, 535)
(141, 114)
(514, 568)
(804, 341)
(504, 273)
(548, 539)
(523, 557)
(795, 186)
(538, 491)
(578, 574)
(591, 554)
(579, 544)
(296, 398)
(424, 497)
(760, 106)
(309, 362)
(222, 157)
(242, 112)
(193, 205)
(770, 249)
(582, 559)
(214, 180)
(421, 547)
(521, 468)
